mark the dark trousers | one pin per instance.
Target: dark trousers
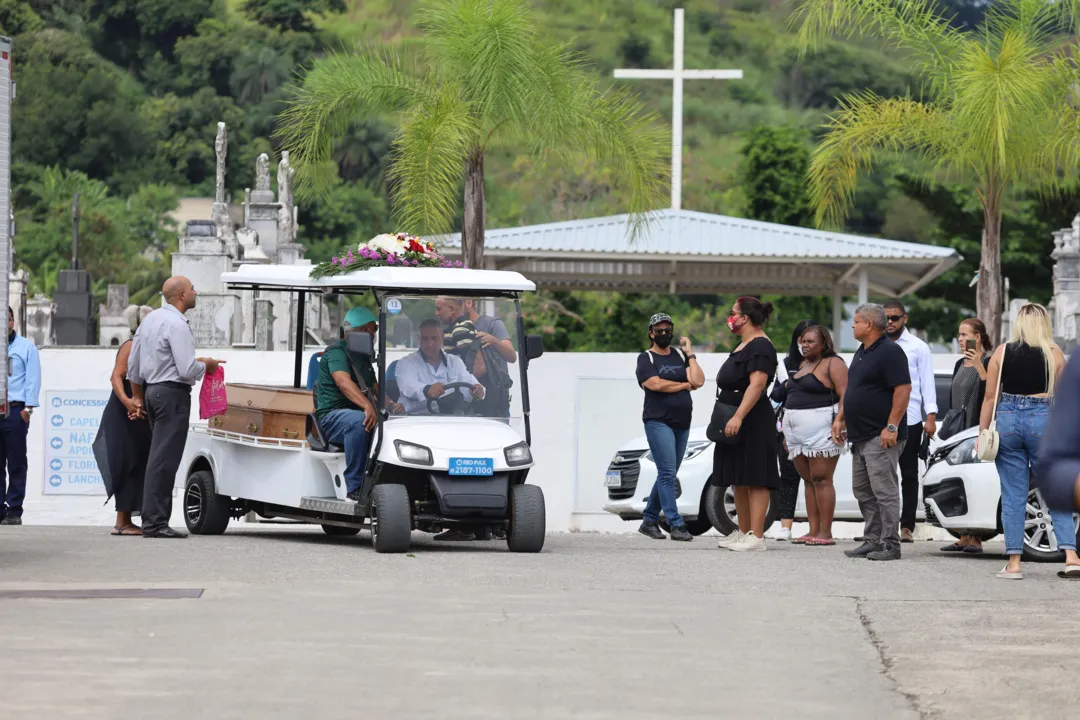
(13, 454)
(789, 484)
(909, 476)
(168, 406)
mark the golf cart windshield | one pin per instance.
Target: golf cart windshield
(452, 357)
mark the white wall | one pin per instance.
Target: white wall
(584, 407)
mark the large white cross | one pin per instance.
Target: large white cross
(678, 74)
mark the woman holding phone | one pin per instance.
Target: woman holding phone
(966, 400)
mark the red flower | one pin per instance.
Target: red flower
(416, 247)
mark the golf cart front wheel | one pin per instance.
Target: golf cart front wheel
(391, 519)
(205, 512)
(528, 521)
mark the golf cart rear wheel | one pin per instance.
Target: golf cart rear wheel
(391, 519)
(720, 508)
(205, 512)
(340, 530)
(528, 521)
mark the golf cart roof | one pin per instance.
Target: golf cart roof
(298, 278)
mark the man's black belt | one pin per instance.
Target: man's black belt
(16, 405)
(173, 384)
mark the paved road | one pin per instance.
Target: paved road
(295, 624)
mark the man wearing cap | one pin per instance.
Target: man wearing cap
(667, 375)
(345, 403)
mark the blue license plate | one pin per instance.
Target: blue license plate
(472, 466)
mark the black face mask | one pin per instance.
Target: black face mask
(11, 336)
(663, 341)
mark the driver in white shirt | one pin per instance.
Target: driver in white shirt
(424, 375)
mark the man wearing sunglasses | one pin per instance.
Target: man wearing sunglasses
(923, 399)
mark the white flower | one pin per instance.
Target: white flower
(387, 243)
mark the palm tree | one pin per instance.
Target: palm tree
(484, 75)
(999, 109)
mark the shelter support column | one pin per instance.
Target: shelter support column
(864, 282)
(837, 313)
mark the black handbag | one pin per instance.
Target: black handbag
(952, 424)
(721, 414)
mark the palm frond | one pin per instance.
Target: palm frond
(429, 162)
(864, 127)
(486, 46)
(336, 91)
(910, 25)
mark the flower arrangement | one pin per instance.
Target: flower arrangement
(393, 249)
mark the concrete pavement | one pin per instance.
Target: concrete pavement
(293, 623)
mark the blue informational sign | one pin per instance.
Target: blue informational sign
(72, 418)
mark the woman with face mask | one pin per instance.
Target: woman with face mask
(747, 460)
(667, 376)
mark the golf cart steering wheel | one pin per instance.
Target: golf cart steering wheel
(448, 391)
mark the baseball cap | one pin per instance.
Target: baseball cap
(660, 318)
(359, 317)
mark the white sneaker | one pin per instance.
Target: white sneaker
(749, 543)
(780, 534)
(728, 540)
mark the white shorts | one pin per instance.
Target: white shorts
(809, 433)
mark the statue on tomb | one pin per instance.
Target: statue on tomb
(286, 216)
(221, 147)
(262, 173)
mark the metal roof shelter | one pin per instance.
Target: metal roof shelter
(697, 253)
(689, 252)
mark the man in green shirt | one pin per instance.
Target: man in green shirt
(346, 415)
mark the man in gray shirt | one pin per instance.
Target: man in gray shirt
(162, 369)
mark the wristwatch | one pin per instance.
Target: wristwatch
(892, 428)
(692, 356)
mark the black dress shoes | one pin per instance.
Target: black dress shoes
(166, 532)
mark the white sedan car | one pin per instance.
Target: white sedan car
(962, 494)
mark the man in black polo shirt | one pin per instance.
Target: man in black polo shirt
(873, 418)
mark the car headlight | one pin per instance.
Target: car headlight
(415, 454)
(692, 450)
(963, 453)
(517, 455)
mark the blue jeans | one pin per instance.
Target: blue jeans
(1020, 423)
(668, 446)
(346, 428)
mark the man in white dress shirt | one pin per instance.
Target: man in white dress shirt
(163, 368)
(424, 375)
(923, 400)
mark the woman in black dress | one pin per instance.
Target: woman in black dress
(127, 436)
(750, 465)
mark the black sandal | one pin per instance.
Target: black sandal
(120, 531)
(955, 547)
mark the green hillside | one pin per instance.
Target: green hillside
(119, 100)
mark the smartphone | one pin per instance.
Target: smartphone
(969, 344)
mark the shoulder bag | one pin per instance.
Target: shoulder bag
(721, 415)
(989, 438)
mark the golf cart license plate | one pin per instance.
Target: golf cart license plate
(614, 479)
(472, 466)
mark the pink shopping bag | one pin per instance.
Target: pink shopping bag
(212, 399)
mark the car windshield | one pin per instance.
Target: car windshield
(452, 357)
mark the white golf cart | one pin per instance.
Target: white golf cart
(448, 463)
